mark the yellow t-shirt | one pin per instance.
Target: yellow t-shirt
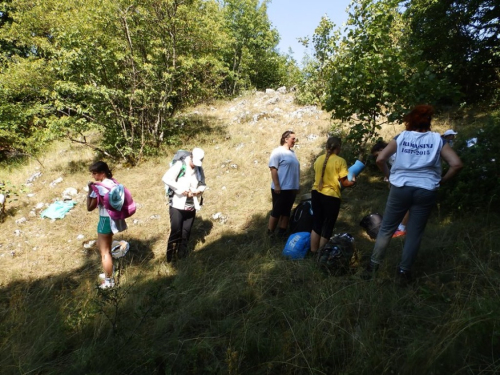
(336, 168)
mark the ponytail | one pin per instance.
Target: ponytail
(332, 144)
(320, 184)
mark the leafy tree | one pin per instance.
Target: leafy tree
(366, 72)
(119, 67)
(372, 73)
(126, 67)
(480, 166)
(253, 58)
(459, 37)
(316, 71)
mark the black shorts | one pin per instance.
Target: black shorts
(325, 212)
(283, 202)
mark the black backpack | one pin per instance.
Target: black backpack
(371, 223)
(339, 255)
(302, 217)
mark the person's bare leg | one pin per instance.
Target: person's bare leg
(283, 222)
(322, 242)
(104, 241)
(273, 223)
(315, 241)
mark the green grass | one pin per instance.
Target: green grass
(236, 306)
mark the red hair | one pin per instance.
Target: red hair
(419, 118)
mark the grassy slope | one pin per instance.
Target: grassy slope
(235, 306)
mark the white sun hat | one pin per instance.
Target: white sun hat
(198, 155)
(119, 249)
(450, 132)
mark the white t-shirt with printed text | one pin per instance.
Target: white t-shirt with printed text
(418, 160)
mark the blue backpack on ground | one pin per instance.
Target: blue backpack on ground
(297, 245)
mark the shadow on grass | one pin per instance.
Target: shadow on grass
(78, 166)
(181, 130)
(237, 306)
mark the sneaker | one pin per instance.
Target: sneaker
(399, 233)
(102, 276)
(108, 284)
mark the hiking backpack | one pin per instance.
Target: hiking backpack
(371, 223)
(109, 200)
(338, 255)
(302, 216)
(181, 155)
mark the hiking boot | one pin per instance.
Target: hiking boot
(399, 233)
(403, 277)
(369, 271)
(108, 283)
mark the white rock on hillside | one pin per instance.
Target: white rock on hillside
(56, 181)
(69, 193)
(272, 101)
(21, 220)
(33, 177)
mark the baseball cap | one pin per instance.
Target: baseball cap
(449, 132)
(198, 155)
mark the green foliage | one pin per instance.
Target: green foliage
(316, 70)
(251, 56)
(366, 76)
(24, 105)
(396, 54)
(460, 39)
(475, 189)
(125, 68)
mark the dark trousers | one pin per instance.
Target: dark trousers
(181, 222)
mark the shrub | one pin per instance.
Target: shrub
(476, 186)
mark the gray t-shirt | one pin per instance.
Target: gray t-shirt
(288, 167)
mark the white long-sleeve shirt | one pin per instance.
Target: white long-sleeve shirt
(187, 182)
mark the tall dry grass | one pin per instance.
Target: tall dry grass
(235, 305)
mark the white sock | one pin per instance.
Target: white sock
(402, 227)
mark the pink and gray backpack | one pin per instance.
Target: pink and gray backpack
(117, 200)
